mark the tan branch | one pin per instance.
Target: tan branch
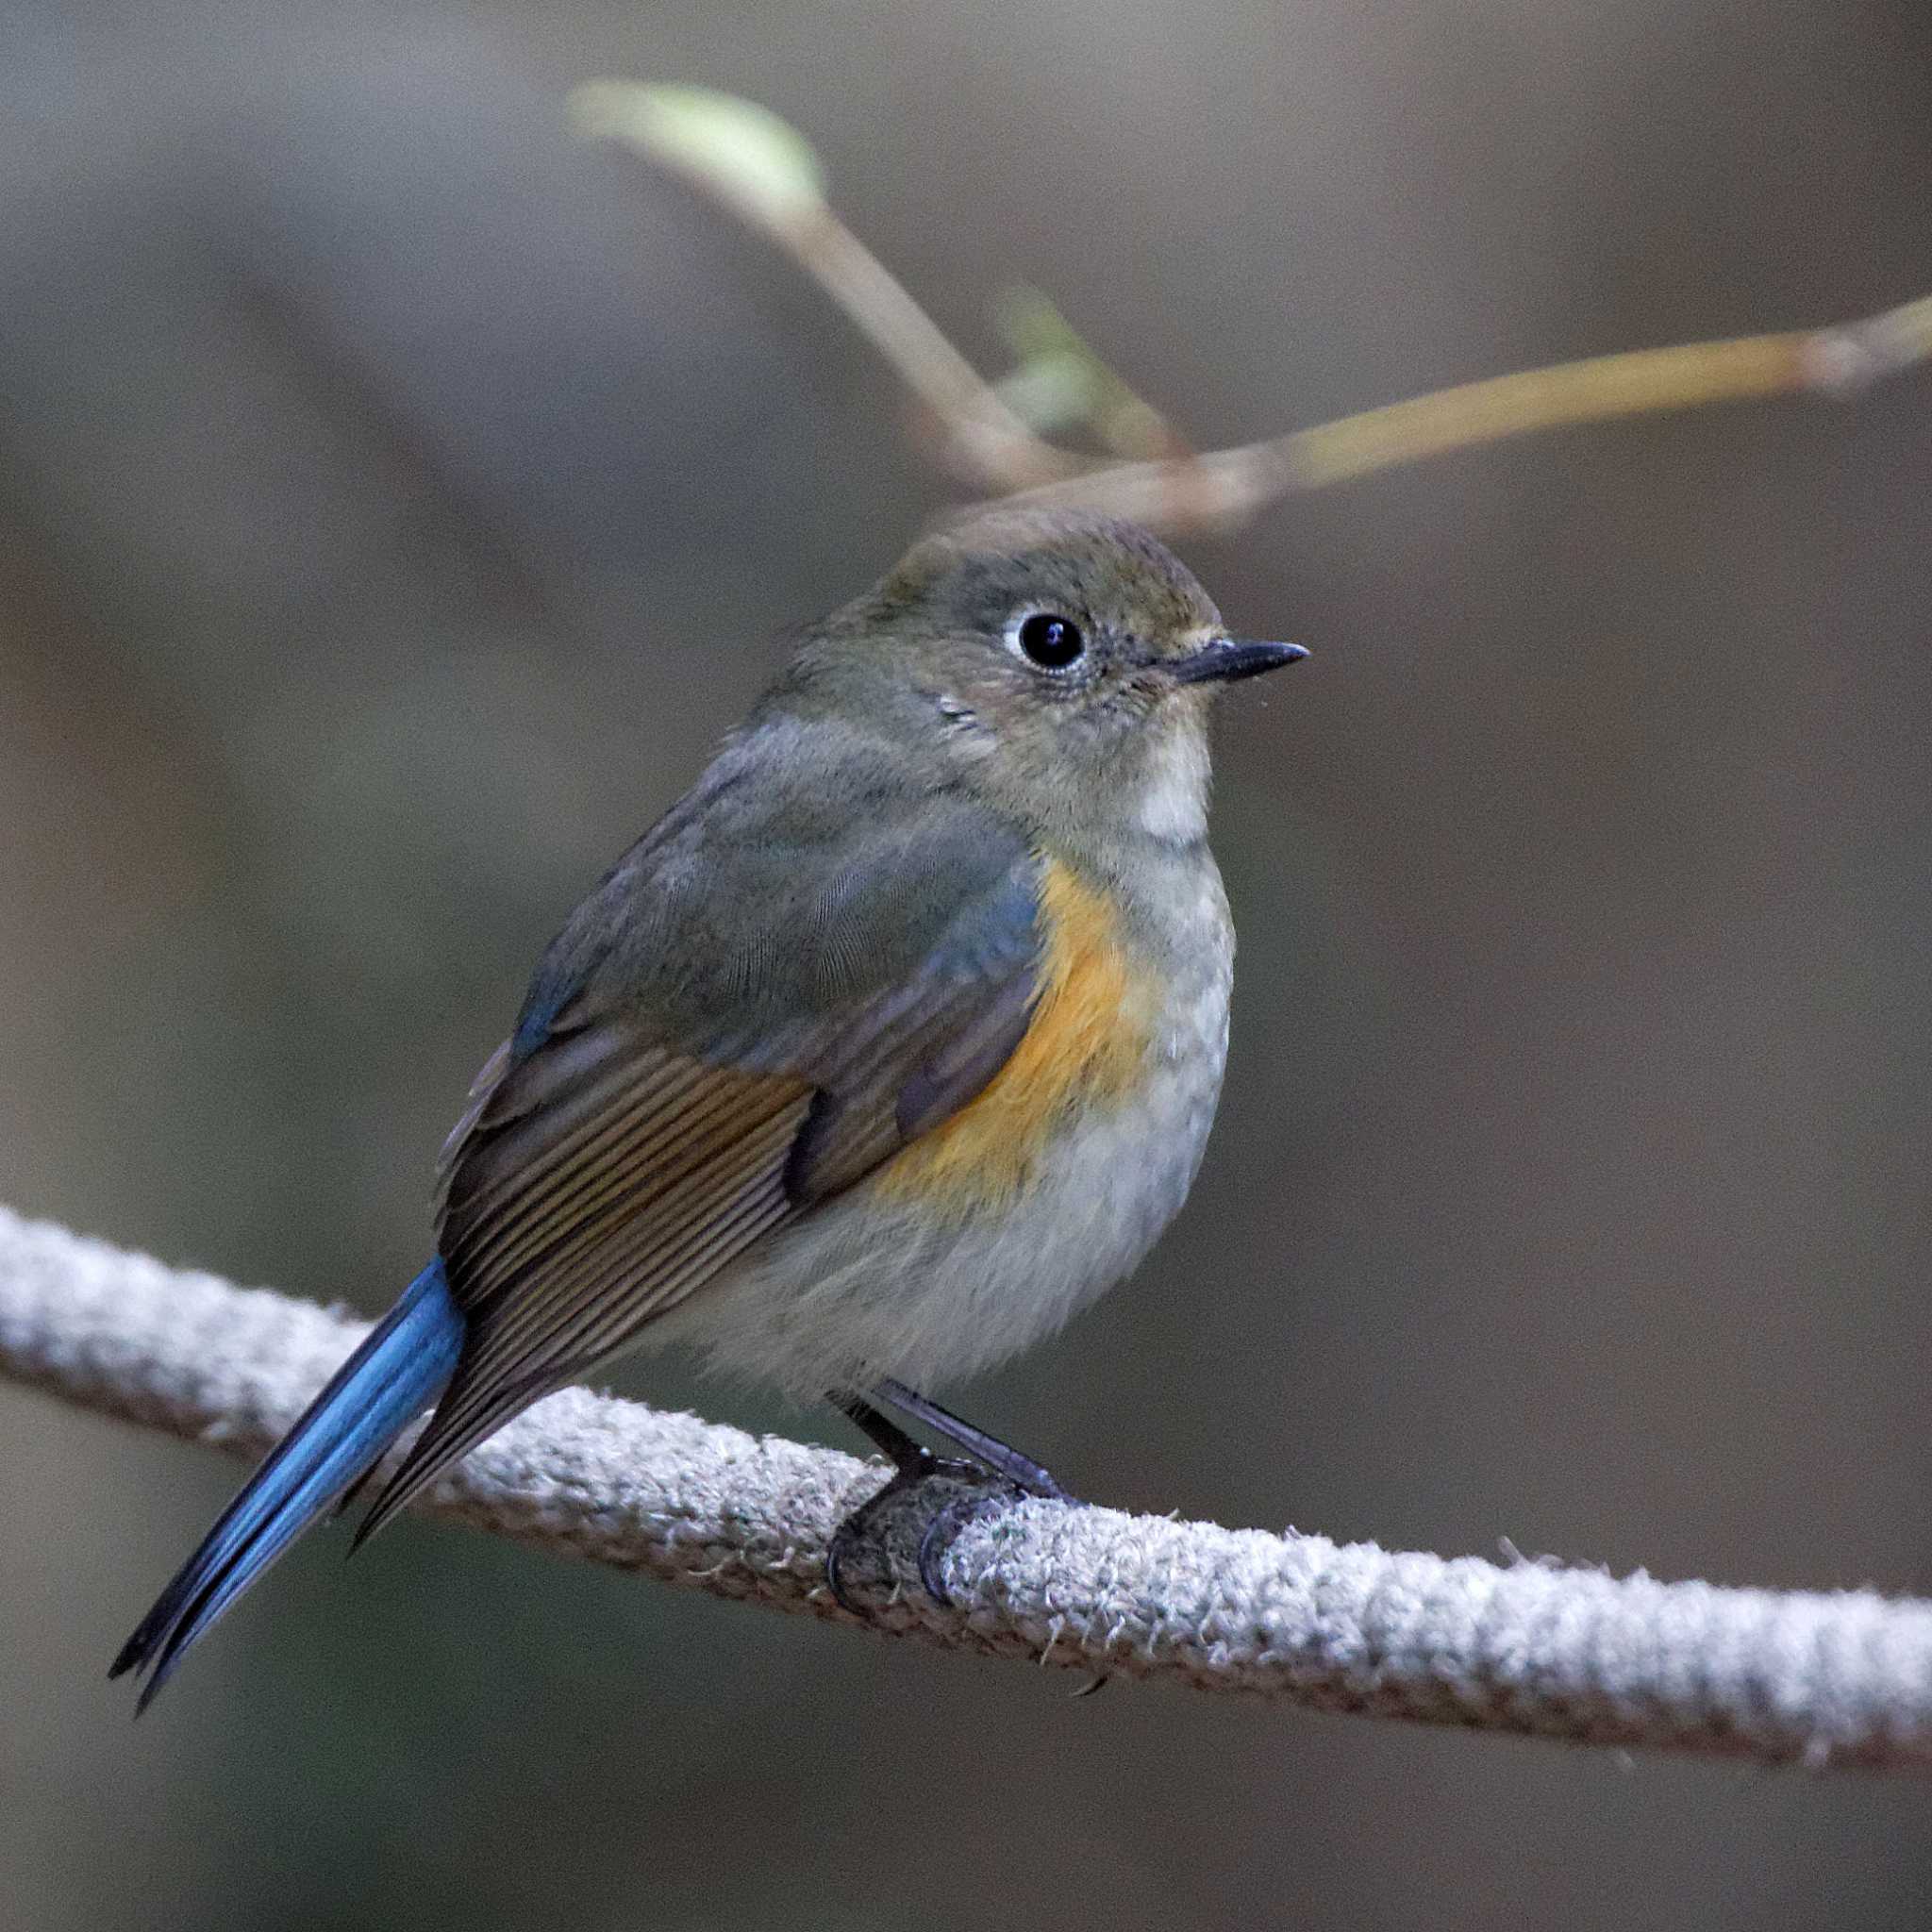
(1231, 486)
(995, 452)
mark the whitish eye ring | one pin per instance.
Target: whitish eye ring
(1050, 640)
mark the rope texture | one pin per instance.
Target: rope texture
(1822, 1679)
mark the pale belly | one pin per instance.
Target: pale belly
(872, 1284)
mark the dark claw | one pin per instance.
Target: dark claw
(854, 1539)
(835, 1565)
(995, 1477)
(875, 1537)
(932, 1551)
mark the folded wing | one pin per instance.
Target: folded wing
(695, 1068)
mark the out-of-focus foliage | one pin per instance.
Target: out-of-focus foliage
(744, 150)
(1059, 381)
(398, 494)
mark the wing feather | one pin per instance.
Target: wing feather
(622, 1148)
(639, 1252)
(565, 1205)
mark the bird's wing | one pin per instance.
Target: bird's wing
(696, 1066)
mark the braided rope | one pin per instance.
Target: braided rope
(1843, 1678)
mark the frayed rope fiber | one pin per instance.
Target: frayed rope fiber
(1843, 1678)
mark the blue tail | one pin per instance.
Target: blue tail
(396, 1374)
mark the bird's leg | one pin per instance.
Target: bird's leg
(870, 1527)
(996, 1454)
(996, 1474)
(884, 1434)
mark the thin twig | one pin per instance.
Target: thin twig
(996, 452)
(1231, 486)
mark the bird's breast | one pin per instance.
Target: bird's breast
(1110, 1017)
(988, 1231)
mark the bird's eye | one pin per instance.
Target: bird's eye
(1049, 639)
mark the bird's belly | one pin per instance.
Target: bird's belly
(888, 1280)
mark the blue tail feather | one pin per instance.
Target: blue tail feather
(396, 1374)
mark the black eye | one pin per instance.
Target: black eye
(1049, 639)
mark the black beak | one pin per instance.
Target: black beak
(1229, 658)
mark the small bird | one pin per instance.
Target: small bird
(893, 1043)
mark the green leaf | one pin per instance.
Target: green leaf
(1059, 381)
(740, 149)
(1032, 325)
(1050, 392)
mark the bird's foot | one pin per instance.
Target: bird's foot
(906, 1528)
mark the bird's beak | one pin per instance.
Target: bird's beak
(1222, 661)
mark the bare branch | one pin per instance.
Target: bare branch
(726, 147)
(1820, 1679)
(1231, 486)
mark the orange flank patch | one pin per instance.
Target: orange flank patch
(1087, 1047)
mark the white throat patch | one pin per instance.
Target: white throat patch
(1174, 802)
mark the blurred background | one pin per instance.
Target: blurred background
(397, 497)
